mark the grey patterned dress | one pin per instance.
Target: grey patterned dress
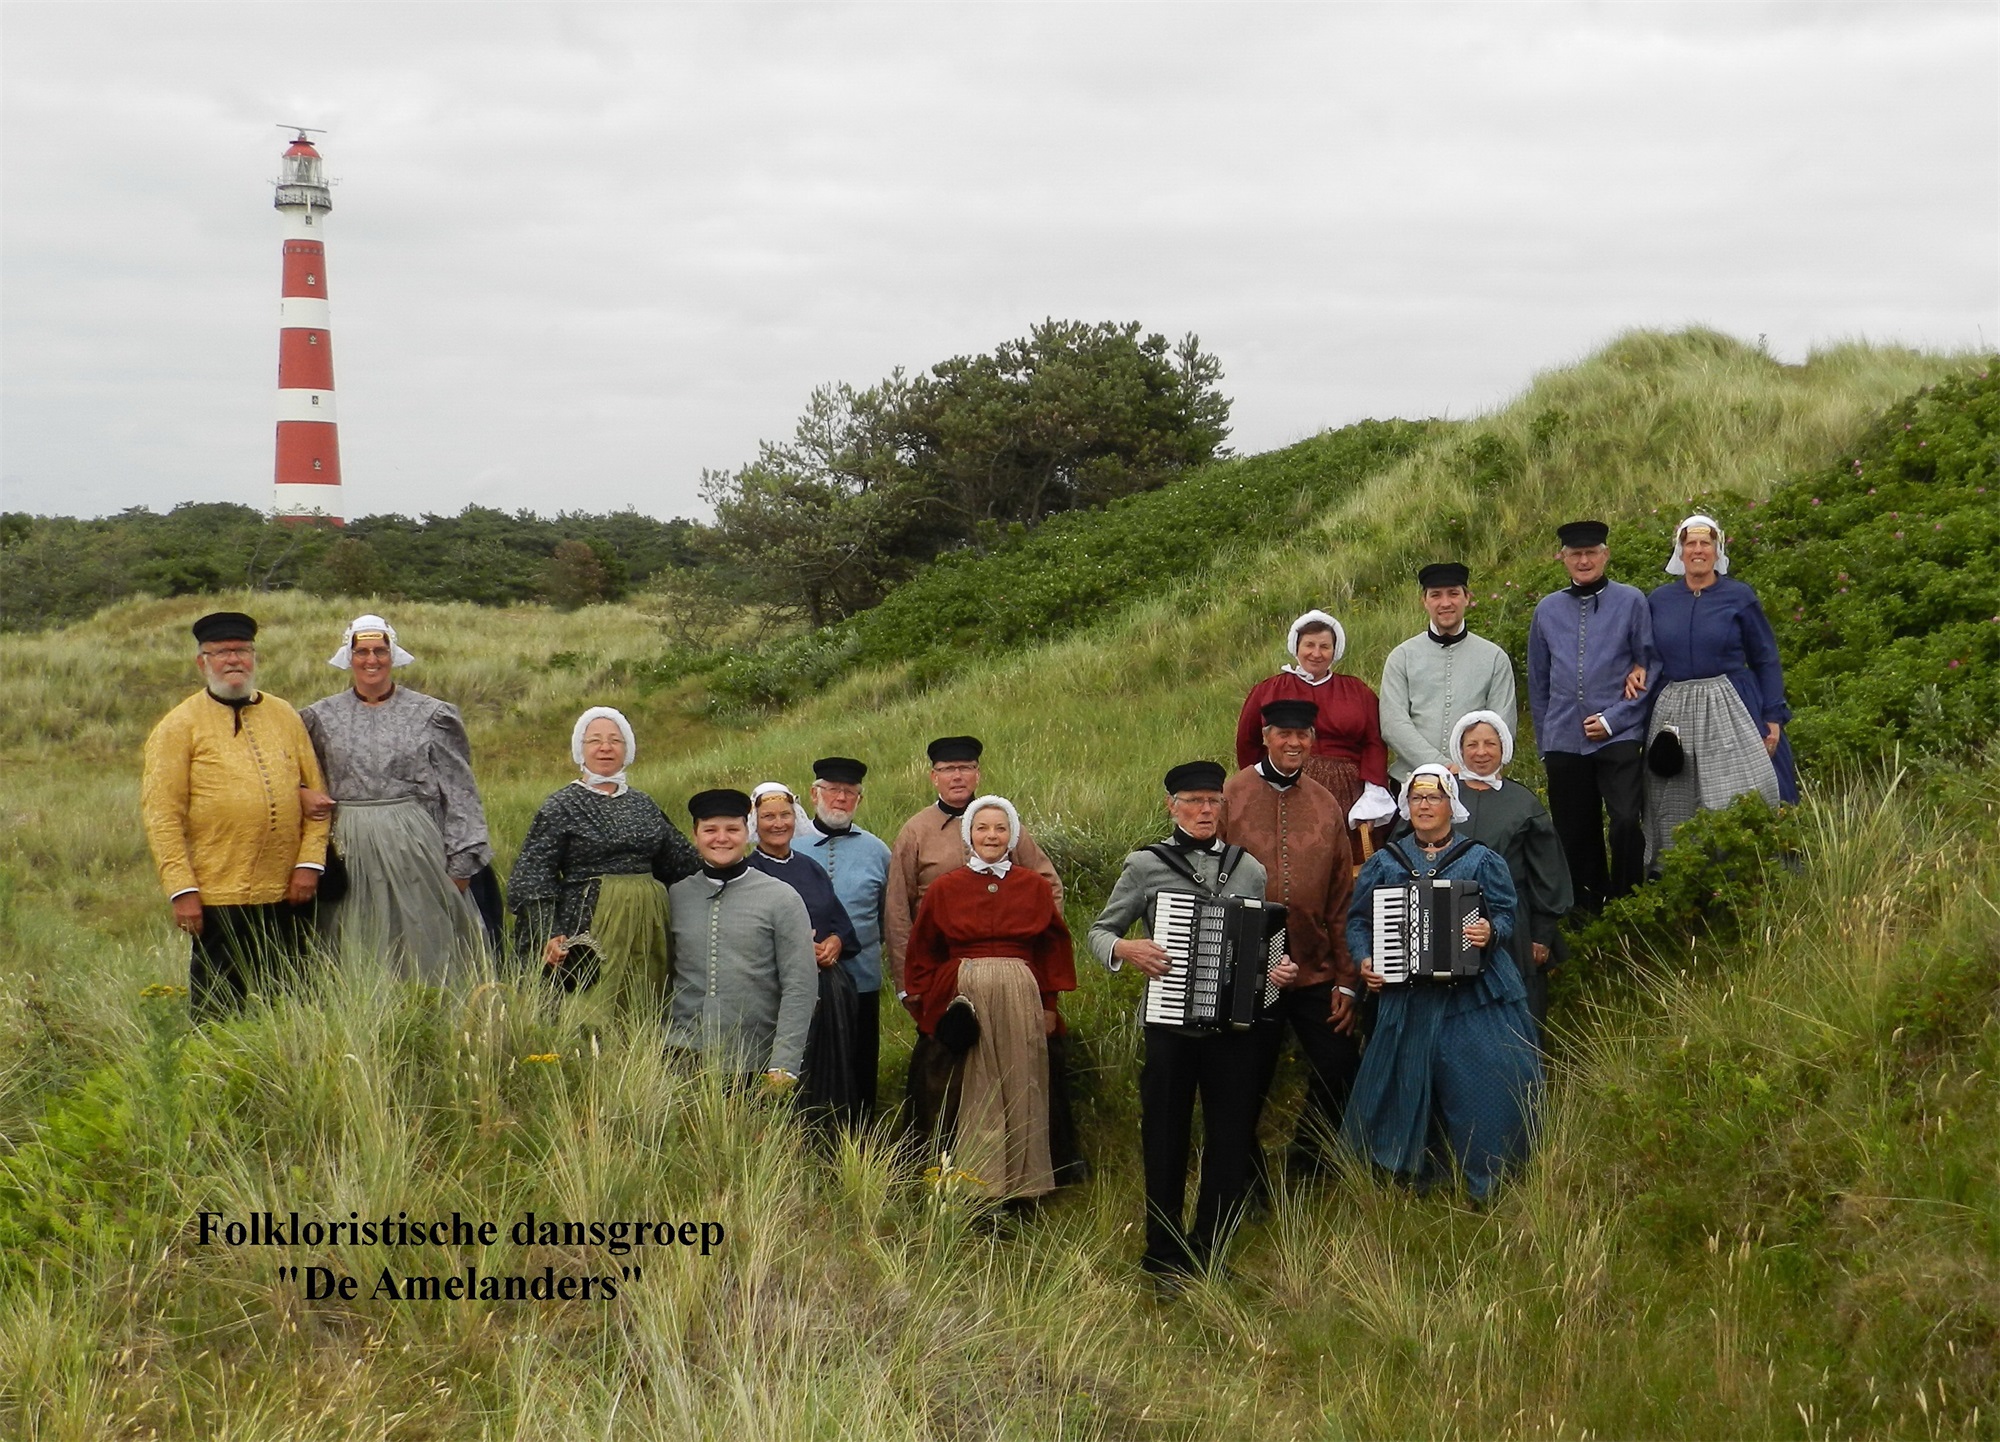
(577, 837)
(411, 746)
(409, 827)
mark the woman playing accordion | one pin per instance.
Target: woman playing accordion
(1455, 1060)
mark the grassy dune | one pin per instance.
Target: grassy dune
(1765, 1203)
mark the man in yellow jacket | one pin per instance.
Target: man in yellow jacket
(238, 859)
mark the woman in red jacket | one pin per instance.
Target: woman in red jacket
(1348, 756)
(987, 957)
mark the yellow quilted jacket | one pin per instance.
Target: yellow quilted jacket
(221, 805)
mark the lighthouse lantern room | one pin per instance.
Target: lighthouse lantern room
(308, 459)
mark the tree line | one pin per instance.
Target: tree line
(873, 485)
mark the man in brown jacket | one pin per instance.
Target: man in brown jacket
(1293, 825)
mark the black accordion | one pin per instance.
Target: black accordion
(1220, 951)
(1420, 931)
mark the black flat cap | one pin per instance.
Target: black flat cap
(1444, 573)
(1290, 713)
(721, 801)
(1194, 776)
(955, 748)
(841, 770)
(224, 626)
(1582, 534)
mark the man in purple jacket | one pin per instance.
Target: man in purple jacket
(1589, 654)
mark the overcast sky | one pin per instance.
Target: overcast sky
(578, 253)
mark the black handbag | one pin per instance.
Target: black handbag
(581, 963)
(958, 1028)
(1665, 757)
(334, 880)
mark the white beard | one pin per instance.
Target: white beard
(233, 691)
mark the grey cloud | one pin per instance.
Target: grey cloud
(580, 253)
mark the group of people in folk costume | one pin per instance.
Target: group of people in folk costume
(763, 937)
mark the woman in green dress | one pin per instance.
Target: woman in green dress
(589, 889)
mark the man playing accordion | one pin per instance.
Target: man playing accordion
(1450, 1061)
(1225, 1068)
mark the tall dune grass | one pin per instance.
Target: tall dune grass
(1765, 1193)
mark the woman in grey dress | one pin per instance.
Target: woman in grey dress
(407, 822)
(589, 889)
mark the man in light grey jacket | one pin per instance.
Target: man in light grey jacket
(1441, 674)
(744, 979)
(1226, 1070)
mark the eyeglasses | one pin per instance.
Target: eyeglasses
(958, 768)
(1199, 803)
(225, 652)
(836, 790)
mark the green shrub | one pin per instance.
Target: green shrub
(1715, 875)
(1881, 575)
(1022, 587)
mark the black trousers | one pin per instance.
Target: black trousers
(1226, 1073)
(245, 949)
(867, 1052)
(1583, 792)
(1065, 1147)
(1331, 1061)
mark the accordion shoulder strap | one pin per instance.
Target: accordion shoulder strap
(1231, 857)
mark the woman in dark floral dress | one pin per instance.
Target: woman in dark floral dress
(589, 889)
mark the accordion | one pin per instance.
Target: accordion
(1220, 951)
(1419, 931)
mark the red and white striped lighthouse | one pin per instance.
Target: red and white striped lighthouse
(308, 469)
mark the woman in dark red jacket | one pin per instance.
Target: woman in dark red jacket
(1348, 756)
(987, 958)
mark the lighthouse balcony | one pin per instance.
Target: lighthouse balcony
(316, 196)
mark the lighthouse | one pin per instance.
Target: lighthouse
(308, 464)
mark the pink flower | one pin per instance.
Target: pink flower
(1815, 500)
(1841, 577)
(1871, 490)
(1937, 526)
(1952, 664)
(1899, 535)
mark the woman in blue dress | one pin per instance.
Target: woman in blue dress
(1719, 690)
(1448, 1062)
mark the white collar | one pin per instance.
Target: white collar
(996, 869)
(596, 781)
(1300, 672)
(1493, 781)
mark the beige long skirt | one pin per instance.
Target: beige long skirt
(1003, 1109)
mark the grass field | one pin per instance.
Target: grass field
(1765, 1202)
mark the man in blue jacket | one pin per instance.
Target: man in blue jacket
(857, 861)
(1589, 654)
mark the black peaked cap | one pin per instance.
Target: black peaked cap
(1195, 776)
(955, 748)
(1444, 573)
(1580, 534)
(1291, 713)
(720, 801)
(841, 770)
(224, 626)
